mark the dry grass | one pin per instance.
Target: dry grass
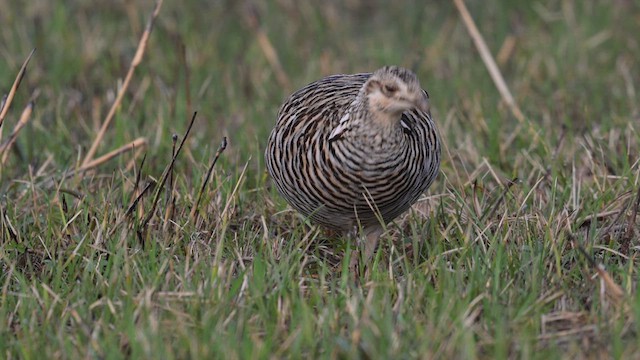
(172, 246)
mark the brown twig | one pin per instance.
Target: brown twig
(135, 202)
(221, 149)
(140, 143)
(3, 101)
(488, 60)
(137, 59)
(132, 163)
(138, 196)
(169, 203)
(7, 103)
(165, 174)
(137, 143)
(135, 193)
(174, 141)
(139, 173)
(24, 118)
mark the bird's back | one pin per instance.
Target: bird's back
(357, 180)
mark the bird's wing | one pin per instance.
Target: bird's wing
(323, 105)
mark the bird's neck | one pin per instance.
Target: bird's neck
(376, 131)
(376, 119)
(385, 121)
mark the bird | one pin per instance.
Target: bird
(351, 152)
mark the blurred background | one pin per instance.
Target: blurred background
(487, 264)
(572, 66)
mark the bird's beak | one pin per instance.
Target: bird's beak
(422, 103)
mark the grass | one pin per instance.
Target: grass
(488, 264)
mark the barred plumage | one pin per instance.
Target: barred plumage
(355, 150)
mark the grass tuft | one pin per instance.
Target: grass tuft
(526, 246)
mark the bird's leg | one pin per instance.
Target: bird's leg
(353, 260)
(371, 242)
(371, 237)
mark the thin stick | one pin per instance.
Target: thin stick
(165, 174)
(7, 102)
(136, 184)
(138, 198)
(487, 58)
(137, 59)
(137, 143)
(169, 198)
(221, 149)
(24, 118)
(174, 141)
(140, 143)
(132, 163)
(2, 103)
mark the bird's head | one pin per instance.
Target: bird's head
(393, 90)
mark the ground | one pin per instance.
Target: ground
(525, 247)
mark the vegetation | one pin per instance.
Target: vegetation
(526, 246)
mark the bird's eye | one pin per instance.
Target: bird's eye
(390, 88)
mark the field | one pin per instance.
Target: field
(525, 247)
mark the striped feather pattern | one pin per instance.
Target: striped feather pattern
(365, 172)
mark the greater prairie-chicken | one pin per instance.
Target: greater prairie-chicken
(355, 151)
